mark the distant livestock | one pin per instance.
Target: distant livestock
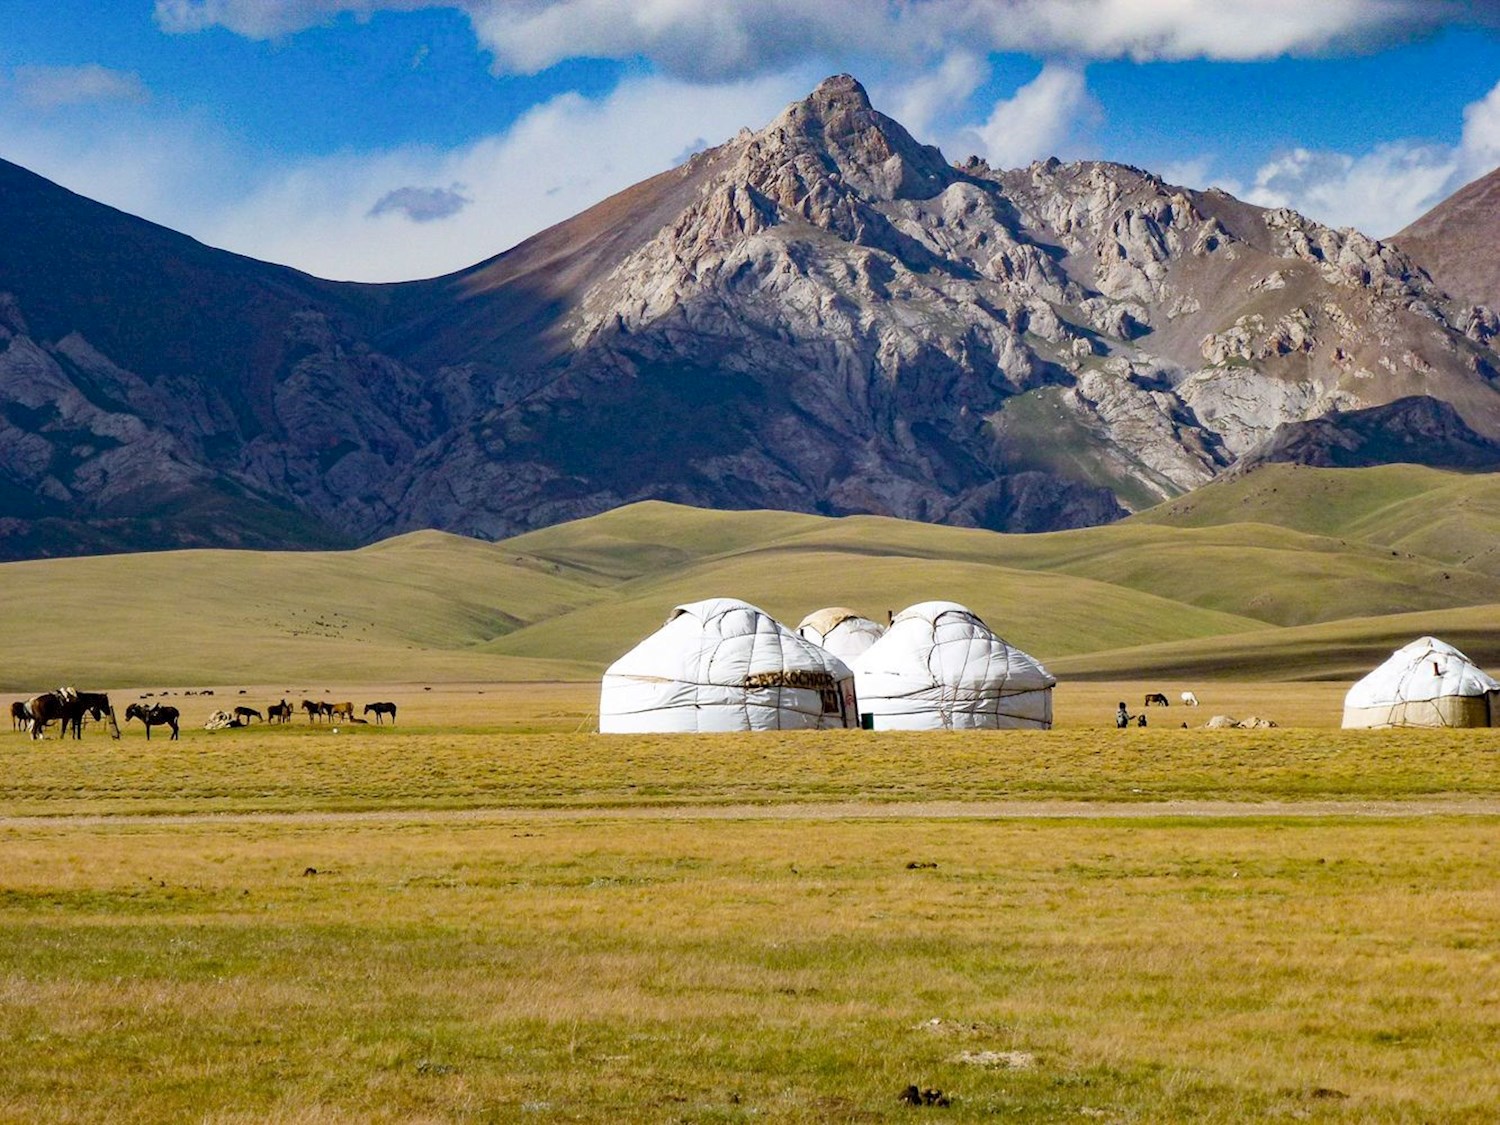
(381, 709)
(20, 718)
(1157, 699)
(313, 708)
(157, 715)
(246, 714)
(342, 711)
(1190, 699)
(280, 712)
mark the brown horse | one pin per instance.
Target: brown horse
(69, 707)
(20, 718)
(313, 709)
(340, 710)
(381, 709)
(157, 715)
(280, 712)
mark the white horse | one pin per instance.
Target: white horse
(1190, 699)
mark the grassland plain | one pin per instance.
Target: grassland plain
(1252, 579)
(685, 969)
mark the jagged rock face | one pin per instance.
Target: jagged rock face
(823, 315)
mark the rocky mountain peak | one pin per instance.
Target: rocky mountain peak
(838, 129)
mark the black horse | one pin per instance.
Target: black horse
(157, 715)
(69, 707)
(280, 712)
(381, 709)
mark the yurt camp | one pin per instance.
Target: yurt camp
(1424, 684)
(724, 665)
(939, 667)
(841, 631)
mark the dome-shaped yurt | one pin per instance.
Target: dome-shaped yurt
(940, 667)
(841, 631)
(1424, 684)
(724, 665)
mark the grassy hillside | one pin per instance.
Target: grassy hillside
(1286, 573)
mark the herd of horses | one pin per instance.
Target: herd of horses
(69, 707)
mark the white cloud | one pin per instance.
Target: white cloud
(927, 103)
(1380, 191)
(52, 87)
(322, 216)
(1037, 122)
(718, 39)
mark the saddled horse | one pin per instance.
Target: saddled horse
(157, 715)
(313, 709)
(280, 712)
(381, 709)
(69, 707)
(245, 714)
(20, 718)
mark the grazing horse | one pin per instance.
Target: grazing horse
(280, 712)
(381, 709)
(313, 709)
(245, 714)
(1190, 699)
(340, 710)
(20, 718)
(157, 715)
(1157, 698)
(69, 707)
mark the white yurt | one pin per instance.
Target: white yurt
(939, 667)
(1424, 684)
(841, 631)
(724, 665)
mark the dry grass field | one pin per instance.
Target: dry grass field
(490, 913)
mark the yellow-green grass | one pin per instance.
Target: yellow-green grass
(468, 760)
(691, 970)
(1340, 650)
(1450, 517)
(411, 608)
(1043, 613)
(563, 602)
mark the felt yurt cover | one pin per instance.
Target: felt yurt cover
(841, 631)
(1424, 684)
(724, 665)
(940, 667)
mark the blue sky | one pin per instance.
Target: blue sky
(384, 139)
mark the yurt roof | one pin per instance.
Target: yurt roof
(1427, 668)
(825, 621)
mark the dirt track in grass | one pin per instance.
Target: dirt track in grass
(859, 810)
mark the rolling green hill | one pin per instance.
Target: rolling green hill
(1286, 573)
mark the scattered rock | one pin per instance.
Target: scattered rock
(998, 1060)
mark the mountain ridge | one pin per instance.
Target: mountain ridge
(822, 315)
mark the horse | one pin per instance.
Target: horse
(381, 709)
(245, 714)
(1157, 698)
(1190, 699)
(20, 718)
(280, 712)
(340, 710)
(157, 715)
(313, 709)
(68, 706)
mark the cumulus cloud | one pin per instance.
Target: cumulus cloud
(1037, 122)
(326, 216)
(52, 87)
(422, 204)
(721, 39)
(1379, 191)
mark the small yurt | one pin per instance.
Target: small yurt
(841, 631)
(724, 665)
(939, 667)
(1424, 684)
